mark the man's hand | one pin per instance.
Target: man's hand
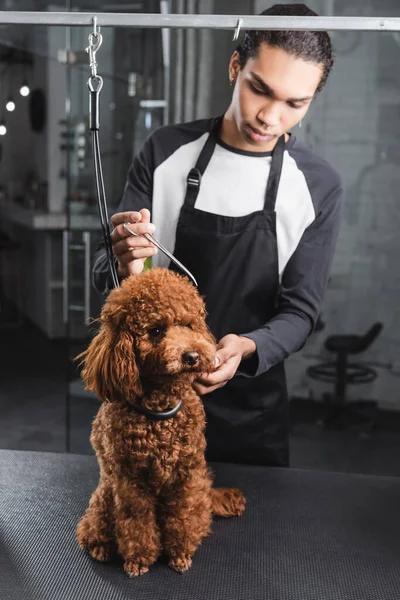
(132, 251)
(230, 351)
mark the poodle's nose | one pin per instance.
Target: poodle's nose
(190, 358)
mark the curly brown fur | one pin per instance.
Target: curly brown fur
(154, 492)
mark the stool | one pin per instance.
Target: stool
(339, 414)
(10, 273)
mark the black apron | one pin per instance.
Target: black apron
(235, 261)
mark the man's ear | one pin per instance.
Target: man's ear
(109, 365)
(234, 66)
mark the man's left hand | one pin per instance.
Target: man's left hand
(231, 350)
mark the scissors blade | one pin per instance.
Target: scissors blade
(156, 243)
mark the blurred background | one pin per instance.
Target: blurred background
(345, 383)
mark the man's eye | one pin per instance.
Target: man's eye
(256, 90)
(294, 105)
(156, 332)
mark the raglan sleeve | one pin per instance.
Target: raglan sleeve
(302, 290)
(137, 194)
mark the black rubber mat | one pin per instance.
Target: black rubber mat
(304, 536)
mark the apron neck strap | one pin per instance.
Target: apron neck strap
(274, 175)
(193, 181)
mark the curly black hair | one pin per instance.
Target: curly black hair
(311, 46)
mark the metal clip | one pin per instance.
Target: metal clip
(95, 41)
(237, 30)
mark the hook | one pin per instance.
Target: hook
(95, 40)
(95, 32)
(237, 30)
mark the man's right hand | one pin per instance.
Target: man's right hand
(132, 251)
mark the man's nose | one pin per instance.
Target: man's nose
(270, 114)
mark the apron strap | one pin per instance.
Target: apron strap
(271, 192)
(193, 180)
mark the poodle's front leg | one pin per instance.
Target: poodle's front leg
(95, 531)
(186, 519)
(138, 536)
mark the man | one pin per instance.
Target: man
(254, 215)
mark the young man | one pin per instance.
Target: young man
(256, 223)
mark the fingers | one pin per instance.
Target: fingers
(120, 233)
(139, 223)
(222, 375)
(145, 214)
(130, 243)
(222, 355)
(135, 254)
(131, 258)
(227, 360)
(226, 364)
(131, 217)
(132, 250)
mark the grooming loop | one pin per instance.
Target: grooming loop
(95, 83)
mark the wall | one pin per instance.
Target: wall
(25, 151)
(17, 155)
(57, 98)
(199, 59)
(221, 92)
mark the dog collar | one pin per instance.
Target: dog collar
(161, 415)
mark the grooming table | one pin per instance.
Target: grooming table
(305, 535)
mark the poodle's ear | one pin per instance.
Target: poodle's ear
(109, 365)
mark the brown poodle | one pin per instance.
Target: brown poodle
(154, 491)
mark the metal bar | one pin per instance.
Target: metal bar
(173, 21)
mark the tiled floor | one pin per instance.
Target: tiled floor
(35, 409)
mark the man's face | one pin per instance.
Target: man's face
(273, 89)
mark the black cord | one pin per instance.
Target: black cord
(95, 84)
(102, 204)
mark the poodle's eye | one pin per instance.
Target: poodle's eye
(187, 324)
(156, 332)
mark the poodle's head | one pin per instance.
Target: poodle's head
(152, 331)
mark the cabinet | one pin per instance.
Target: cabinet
(56, 292)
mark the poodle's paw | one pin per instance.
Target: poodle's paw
(99, 548)
(227, 502)
(238, 502)
(133, 568)
(180, 564)
(82, 533)
(101, 552)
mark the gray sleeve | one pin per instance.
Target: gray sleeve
(302, 290)
(137, 195)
